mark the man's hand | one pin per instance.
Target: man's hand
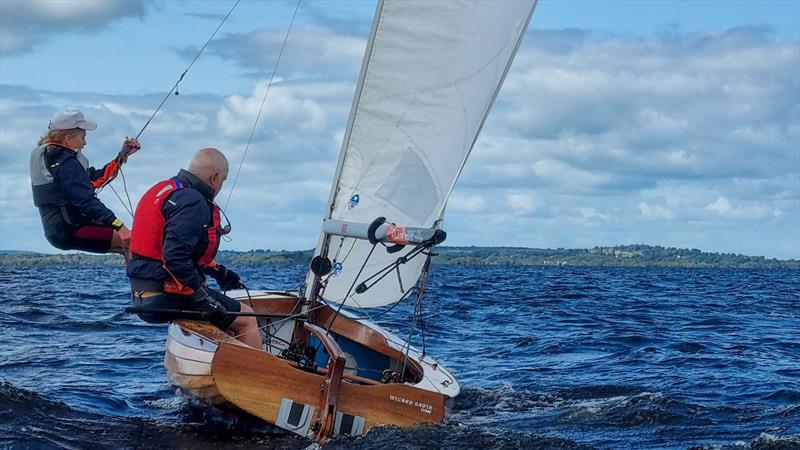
(226, 278)
(203, 302)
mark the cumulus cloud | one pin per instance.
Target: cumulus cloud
(25, 24)
(655, 211)
(592, 214)
(286, 106)
(692, 105)
(645, 135)
(724, 208)
(310, 52)
(469, 204)
(521, 204)
(686, 140)
(284, 180)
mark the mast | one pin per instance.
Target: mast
(313, 280)
(431, 73)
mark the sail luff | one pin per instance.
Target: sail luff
(489, 106)
(432, 72)
(324, 238)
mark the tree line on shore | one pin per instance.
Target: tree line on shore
(617, 256)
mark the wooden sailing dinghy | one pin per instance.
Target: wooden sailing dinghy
(430, 75)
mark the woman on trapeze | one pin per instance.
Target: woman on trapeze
(64, 188)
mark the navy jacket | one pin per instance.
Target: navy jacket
(188, 215)
(76, 184)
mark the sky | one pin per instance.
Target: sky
(672, 123)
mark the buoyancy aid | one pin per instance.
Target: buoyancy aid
(46, 192)
(147, 235)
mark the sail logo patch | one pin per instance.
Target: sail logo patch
(337, 269)
(353, 201)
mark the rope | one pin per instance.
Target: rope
(381, 274)
(416, 251)
(293, 316)
(324, 283)
(263, 102)
(423, 282)
(352, 285)
(127, 209)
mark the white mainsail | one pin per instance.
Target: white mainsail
(430, 75)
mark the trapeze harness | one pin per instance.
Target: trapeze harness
(147, 238)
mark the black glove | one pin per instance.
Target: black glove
(226, 278)
(213, 311)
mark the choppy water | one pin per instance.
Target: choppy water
(550, 357)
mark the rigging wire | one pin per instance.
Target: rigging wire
(366, 260)
(324, 283)
(382, 273)
(281, 321)
(419, 249)
(422, 284)
(263, 102)
(129, 207)
(345, 298)
(175, 87)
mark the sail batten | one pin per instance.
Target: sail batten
(429, 78)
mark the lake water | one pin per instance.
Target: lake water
(548, 357)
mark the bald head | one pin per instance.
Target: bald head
(207, 162)
(211, 166)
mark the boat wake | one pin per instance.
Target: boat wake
(500, 418)
(31, 420)
(609, 415)
(96, 379)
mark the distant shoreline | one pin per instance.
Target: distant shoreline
(617, 256)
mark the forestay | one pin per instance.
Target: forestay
(430, 75)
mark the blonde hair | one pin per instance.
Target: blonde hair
(57, 136)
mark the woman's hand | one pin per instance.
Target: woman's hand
(129, 147)
(125, 235)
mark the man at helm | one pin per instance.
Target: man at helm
(177, 229)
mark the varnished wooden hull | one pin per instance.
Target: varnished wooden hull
(215, 370)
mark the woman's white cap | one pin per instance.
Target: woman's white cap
(69, 119)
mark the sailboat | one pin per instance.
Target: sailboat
(430, 75)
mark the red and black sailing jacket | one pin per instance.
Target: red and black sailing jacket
(175, 235)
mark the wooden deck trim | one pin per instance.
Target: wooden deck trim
(281, 306)
(206, 330)
(343, 326)
(365, 336)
